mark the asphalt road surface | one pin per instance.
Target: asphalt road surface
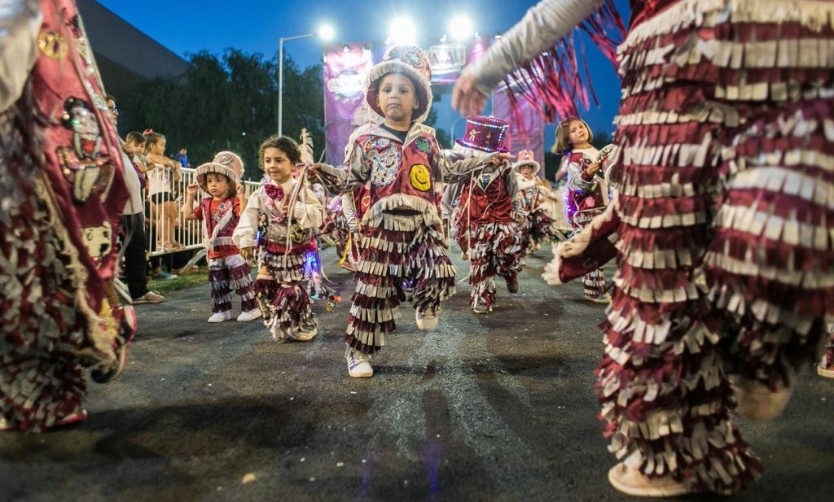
(491, 407)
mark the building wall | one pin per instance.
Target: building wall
(125, 56)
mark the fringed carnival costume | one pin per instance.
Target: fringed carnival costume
(402, 239)
(228, 271)
(586, 197)
(62, 195)
(538, 225)
(725, 221)
(489, 214)
(280, 221)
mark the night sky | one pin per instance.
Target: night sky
(187, 27)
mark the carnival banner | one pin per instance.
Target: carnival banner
(447, 60)
(344, 72)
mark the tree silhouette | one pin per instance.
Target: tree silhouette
(228, 104)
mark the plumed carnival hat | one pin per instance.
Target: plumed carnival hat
(412, 62)
(217, 168)
(483, 135)
(527, 158)
(230, 160)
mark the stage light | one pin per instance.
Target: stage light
(461, 28)
(403, 32)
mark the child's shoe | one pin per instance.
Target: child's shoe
(73, 418)
(604, 298)
(512, 284)
(481, 308)
(358, 363)
(249, 315)
(220, 316)
(635, 483)
(756, 401)
(5, 425)
(825, 372)
(426, 319)
(303, 334)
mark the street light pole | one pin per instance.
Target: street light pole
(281, 41)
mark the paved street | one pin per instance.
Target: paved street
(496, 407)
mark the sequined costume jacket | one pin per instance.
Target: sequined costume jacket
(402, 176)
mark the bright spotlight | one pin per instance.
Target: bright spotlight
(403, 32)
(461, 27)
(326, 32)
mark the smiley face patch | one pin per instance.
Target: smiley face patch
(420, 177)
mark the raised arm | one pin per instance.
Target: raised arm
(188, 205)
(538, 30)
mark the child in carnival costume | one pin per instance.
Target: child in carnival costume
(281, 218)
(538, 226)
(402, 239)
(587, 192)
(489, 214)
(220, 213)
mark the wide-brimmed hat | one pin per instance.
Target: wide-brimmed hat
(230, 160)
(217, 168)
(484, 134)
(412, 62)
(527, 158)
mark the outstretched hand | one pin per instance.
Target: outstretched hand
(501, 158)
(466, 97)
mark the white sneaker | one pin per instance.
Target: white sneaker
(278, 333)
(220, 316)
(249, 315)
(426, 319)
(358, 363)
(303, 334)
(480, 308)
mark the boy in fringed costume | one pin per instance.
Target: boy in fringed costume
(401, 231)
(489, 216)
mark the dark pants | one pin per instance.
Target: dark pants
(135, 246)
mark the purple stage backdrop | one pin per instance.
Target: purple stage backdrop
(344, 72)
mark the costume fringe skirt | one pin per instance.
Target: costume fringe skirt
(227, 274)
(727, 210)
(496, 249)
(594, 281)
(282, 295)
(403, 249)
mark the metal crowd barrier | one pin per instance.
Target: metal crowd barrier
(189, 233)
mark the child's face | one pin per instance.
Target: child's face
(277, 164)
(526, 171)
(217, 185)
(397, 98)
(133, 147)
(577, 133)
(158, 148)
